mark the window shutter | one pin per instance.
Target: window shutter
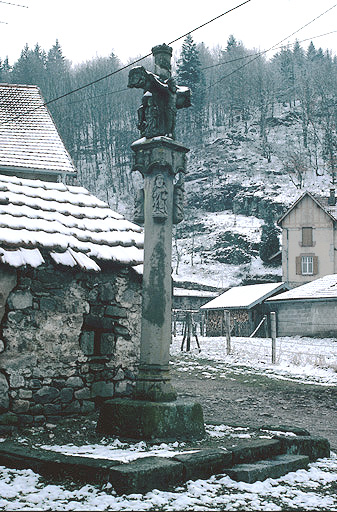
(307, 237)
(315, 259)
(298, 265)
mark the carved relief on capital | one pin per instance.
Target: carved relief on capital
(138, 213)
(159, 198)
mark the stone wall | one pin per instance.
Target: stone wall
(305, 318)
(68, 341)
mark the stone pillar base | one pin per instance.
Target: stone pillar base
(153, 384)
(159, 421)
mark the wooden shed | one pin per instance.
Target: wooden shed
(245, 304)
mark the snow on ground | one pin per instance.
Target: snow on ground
(305, 360)
(312, 489)
(302, 359)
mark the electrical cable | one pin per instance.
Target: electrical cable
(261, 53)
(120, 69)
(269, 49)
(15, 5)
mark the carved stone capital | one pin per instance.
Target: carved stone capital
(160, 152)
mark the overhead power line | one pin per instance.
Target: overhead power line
(15, 5)
(264, 51)
(120, 69)
(271, 48)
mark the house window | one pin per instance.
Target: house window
(307, 265)
(307, 240)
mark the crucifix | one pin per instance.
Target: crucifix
(154, 411)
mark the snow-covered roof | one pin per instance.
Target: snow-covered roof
(29, 140)
(244, 297)
(183, 292)
(74, 227)
(323, 288)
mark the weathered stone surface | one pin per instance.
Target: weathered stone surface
(8, 280)
(20, 406)
(20, 299)
(26, 419)
(39, 420)
(138, 419)
(4, 393)
(142, 475)
(25, 394)
(8, 418)
(44, 337)
(46, 395)
(87, 340)
(56, 465)
(87, 406)
(204, 463)
(108, 343)
(271, 468)
(102, 389)
(66, 395)
(82, 394)
(2, 346)
(256, 449)
(74, 382)
(72, 408)
(286, 428)
(16, 380)
(107, 293)
(115, 311)
(314, 447)
(51, 409)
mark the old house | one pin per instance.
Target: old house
(246, 307)
(307, 310)
(309, 241)
(70, 292)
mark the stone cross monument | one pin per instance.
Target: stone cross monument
(154, 412)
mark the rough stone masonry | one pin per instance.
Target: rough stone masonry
(69, 340)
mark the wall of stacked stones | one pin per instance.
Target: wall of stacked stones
(68, 340)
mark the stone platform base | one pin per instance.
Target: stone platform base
(162, 421)
(249, 461)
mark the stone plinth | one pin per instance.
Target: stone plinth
(139, 419)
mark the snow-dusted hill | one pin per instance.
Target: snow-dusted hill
(232, 183)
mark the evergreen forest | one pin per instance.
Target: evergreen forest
(230, 85)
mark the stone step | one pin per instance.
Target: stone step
(269, 468)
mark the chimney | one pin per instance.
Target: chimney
(332, 198)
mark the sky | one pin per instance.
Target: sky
(130, 28)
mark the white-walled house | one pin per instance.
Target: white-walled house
(309, 239)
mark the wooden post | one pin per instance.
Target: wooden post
(202, 321)
(273, 336)
(174, 324)
(188, 339)
(228, 331)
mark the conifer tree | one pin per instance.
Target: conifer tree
(270, 243)
(190, 75)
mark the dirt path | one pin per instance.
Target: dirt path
(255, 401)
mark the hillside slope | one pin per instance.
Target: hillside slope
(231, 187)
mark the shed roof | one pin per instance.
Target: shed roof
(73, 226)
(244, 297)
(323, 288)
(29, 140)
